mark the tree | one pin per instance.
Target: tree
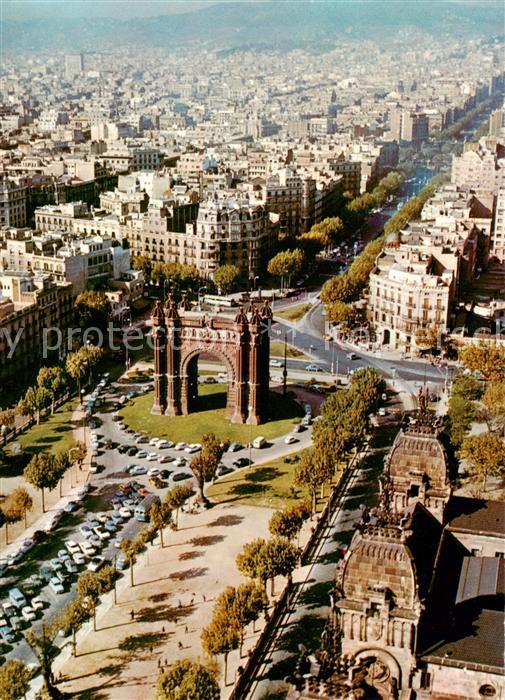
(14, 680)
(460, 415)
(344, 315)
(326, 232)
(428, 338)
(93, 309)
(130, 550)
(251, 561)
(61, 464)
(34, 400)
(72, 616)
(494, 401)
(53, 380)
(7, 419)
(187, 679)
(250, 600)
(21, 500)
(160, 516)
(41, 473)
(467, 387)
(312, 471)
(282, 558)
(144, 263)
(78, 453)
(206, 462)
(342, 288)
(12, 514)
(76, 365)
(176, 498)
(226, 277)
(41, 641)
(221, 636)
(158, 273)
(90, 588)
(488, 360)
(286, 265)
(288, 522)
(485, 455)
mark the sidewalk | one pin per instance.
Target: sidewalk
(73, 474)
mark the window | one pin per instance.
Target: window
(476, 552)
(500, 555)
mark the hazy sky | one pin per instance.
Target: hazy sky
(126, 9)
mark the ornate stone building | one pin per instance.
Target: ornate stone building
(241, 342)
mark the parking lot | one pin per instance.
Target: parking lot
(126, 468)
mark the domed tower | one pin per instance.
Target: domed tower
(418, 467)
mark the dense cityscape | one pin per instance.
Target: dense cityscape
(252, 351)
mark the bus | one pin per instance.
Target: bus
(143, 508)
(216, 300)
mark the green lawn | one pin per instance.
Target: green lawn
(268, 485)
(277, 350)
(209, 417)
(53, 434)
(294, 313)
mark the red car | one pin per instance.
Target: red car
(143, 492)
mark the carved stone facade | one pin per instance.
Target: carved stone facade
(240, 342)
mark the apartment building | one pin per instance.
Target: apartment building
(13, 201)
(29, 306)
(481, 164)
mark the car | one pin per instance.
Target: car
(70, 507)
(222, 470)
(33, 583)
(290, 439)
(87, 548)
(70, 566)
(7, 635)
(15, 558)
(235, 447)
(116, 517)
(28, 613)
(154, 442)
(139, 469)
(93, 522)
(140, 439)
(121, 562)
(153, 472)
(110, 527)
(130, 502)
(152, 456)
(27, 545)
(191, 449)
(125, 513)
(181, 476)
(164, 459)
(85, 530)
(96, 564)
(117, 542)
(144, 492)
(275, 363)
(180, 446)
(78, 558)
(131, 394)
(165, 473)
(351, 356)
(84, 489)
(299, 427)
(132, 451)
(306, 420)
(165, 444)
(39, 535)
(313, 368)
(103, 517)
(55, 564)
(101, 533)
(180, 462)
(63, 554)
(37, 603)
(382, 411)
(96, 542)
(56, 585)
(16, 623)
(123, 449)
(241, 462)
(142, 454)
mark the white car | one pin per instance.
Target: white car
(96, 564)
(166, 458)
(275, 363)
(152, 457)
(138, 470)
(153, 472)
(180, 462)
(87, 549)
(125, 512)
(102, 535)
(28, 613)
(154, 442)
(290, 439)
(37, 603)
(165, 444)
(180, 446)
(142, 454)
(56, 586)
(194, 447)
(141, 439)
(72, 546)
(79, 558)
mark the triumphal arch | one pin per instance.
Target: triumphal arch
(239, 340)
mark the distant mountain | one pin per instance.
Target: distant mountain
(283, 24)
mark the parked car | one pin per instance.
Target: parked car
(181, 476)
(70, 566)
(79, 558)
(138, 470)
(142, 454)
(17, 598)
(96, 564)
(165, 444)
(87, 548)
(56, 586)
(165, 473)
(132, 451)
(152, 456)
(153, 472)
(313, 368)
(121, 562)
(122, 449)
(191, 449)
(28, 613)
(235, 447)
(37, 603)
(7, 635)
(290, 439)
(85, 530)
(275, 363)
(109, 526)
(141, 439)
(180, 446)
(125, 513)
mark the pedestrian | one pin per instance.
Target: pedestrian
(163, 630)
(132, 614)
(150, 650)
(204, 598)
(166, 663)
(179, 644)
(159, 663)
(179, 605)
(186, 629)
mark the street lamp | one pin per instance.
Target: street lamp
(249, 411)
(200, 290)
(285, 368)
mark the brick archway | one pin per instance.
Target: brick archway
(241, 341)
